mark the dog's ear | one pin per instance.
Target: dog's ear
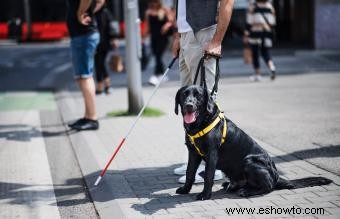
(210, 101)
(177, 99)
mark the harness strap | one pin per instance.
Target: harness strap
(208, 129)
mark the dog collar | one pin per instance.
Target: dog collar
(208, 129)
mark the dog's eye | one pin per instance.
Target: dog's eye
(196, 93)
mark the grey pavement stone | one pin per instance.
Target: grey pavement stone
(26, 186)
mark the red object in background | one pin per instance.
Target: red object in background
(41, 31)
(46, 31)
(3, 31)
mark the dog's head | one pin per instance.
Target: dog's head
(195, 103)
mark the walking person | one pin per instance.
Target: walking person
(84, 39)
(159, 24)
(259, 35)
(106, 43)
(200, 31)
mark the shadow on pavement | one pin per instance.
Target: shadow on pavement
(323, 151)
(25, 133)
(26, 194)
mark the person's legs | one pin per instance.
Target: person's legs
(83, 49)
(268, 60)
(203, 37)
(99, 66)
(159, 46)
(88, 89)
(256, 62)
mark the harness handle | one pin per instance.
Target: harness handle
(201, 68)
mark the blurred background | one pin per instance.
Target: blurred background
(308, 24)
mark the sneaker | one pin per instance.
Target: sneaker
(86, 124)
(255, 78)
(273, 76)
(99, 92)
(108, 90)
(199, 178)
(180, 171)
(77, 122)
(153, 80)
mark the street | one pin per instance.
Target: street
(48, 171)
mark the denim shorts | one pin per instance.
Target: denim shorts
(82, 50)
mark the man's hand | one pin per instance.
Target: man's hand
(175, 45)
(213, 48)
(84, 18)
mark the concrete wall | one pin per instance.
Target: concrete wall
(327, 24)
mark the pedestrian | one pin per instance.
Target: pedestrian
(201, 28)
(259, 35)
(160, 25)
(107, 42)
(84, 39)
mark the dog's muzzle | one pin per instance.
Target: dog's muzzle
(190, 113)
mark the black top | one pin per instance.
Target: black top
(155, 25)
(106, 29)
(74, 27)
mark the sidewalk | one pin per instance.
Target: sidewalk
(140, 181)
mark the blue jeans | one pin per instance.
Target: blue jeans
(82, 50)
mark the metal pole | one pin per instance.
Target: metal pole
(133, 53)
(28, 20)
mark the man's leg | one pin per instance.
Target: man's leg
(88, 89)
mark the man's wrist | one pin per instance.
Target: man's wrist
(216, 39)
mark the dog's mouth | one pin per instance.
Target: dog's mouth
(190, 117)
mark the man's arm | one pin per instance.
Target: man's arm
(84, 5)
(99, 5)
(224, 15)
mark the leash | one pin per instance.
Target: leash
(203, 83)
(201, 68)
(135, 122)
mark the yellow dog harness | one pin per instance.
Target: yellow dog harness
(208, 129)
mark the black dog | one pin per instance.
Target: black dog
(212, 137)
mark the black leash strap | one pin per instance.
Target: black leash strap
(201, 68)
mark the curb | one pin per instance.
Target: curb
(103, 194)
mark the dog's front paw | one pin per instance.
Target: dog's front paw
(243, 192)
(182, 190)
(203, 196)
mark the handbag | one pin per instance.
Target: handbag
(115, 62)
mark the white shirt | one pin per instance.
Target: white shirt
(182, 24)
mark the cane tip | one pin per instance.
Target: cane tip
(97, 181)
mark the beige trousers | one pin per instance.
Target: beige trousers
(191, 51)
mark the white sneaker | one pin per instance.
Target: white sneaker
(255, 78)
(180, 171)
(199, 177)
(153, 80)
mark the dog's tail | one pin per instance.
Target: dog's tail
(301, 183)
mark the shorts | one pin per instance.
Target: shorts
(83, 49)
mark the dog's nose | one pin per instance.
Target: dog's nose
(189, 106)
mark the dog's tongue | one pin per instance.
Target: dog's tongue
(189, 117)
